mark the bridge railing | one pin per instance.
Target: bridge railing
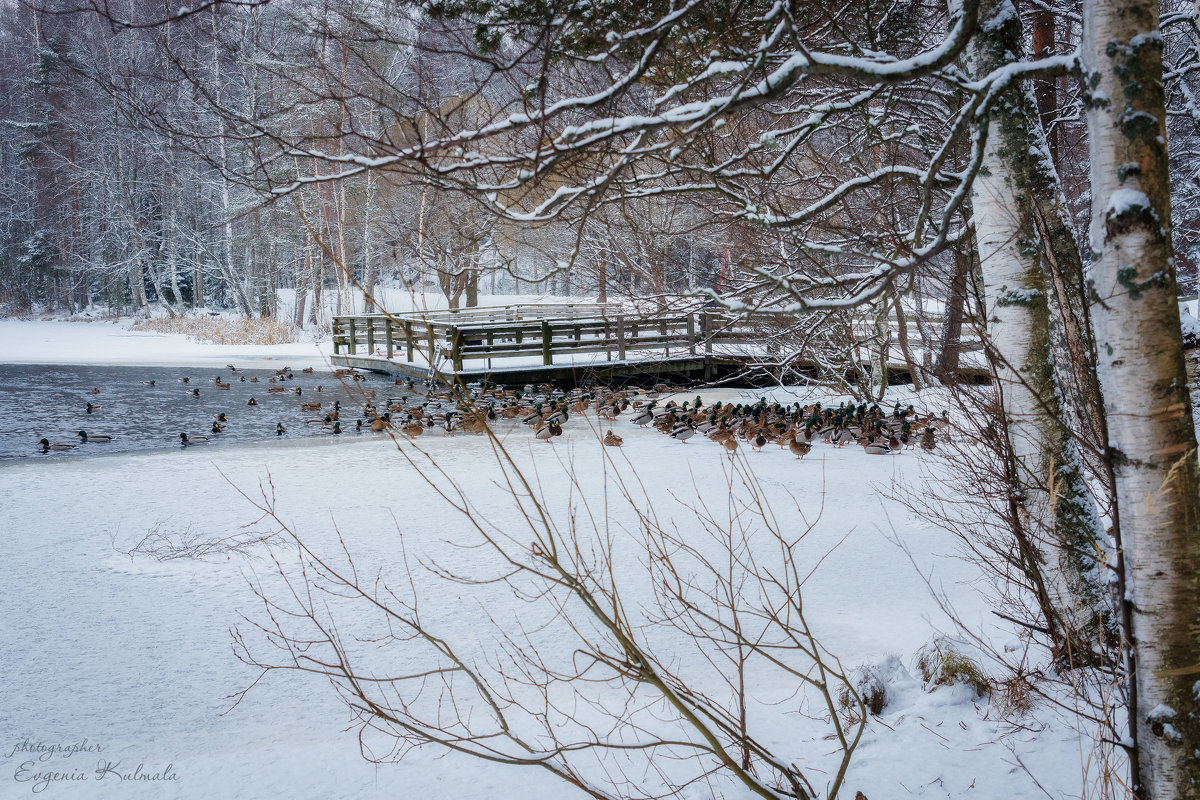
(547, 332)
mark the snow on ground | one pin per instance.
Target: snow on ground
(134, 655)
(113, 343)
(94, 341)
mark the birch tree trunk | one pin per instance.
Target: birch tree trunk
(1152, 443)
(1054, 513)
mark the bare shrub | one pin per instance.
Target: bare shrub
(165, 543)
(222, 330)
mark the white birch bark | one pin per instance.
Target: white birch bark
(1141, 366)
(1051, 512)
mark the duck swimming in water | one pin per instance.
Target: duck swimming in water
(186, 440)
(56, 446)
(85, 437)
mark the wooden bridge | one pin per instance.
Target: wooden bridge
(560, 343)
(540, 343)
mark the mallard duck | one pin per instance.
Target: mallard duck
(185, 379)
(644, 417)
(195, 392)
(279, 429)
(760, 441)
(150, 383)
(876, 447)
(276, 389)
(217, 427)
(310, 406)
(232, 368)
(47, 446)
(251, 402)
(799, 447)
(927, 439)
(337, 428)
(548, 431)
(730, 444)
(254, 379)
(308, 371)
(612, 440)
(186, 440)
(298, 389)
(223, 385)
(85, 437)
(94, 390)
(92, 407)
(413, 428)
(380, 424)
(683, 432)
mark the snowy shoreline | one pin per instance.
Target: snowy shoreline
(115, 344)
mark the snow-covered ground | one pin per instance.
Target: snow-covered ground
(113, 343)
(83, 340)
(134, 656)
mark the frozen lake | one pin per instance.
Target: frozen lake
(50, 401)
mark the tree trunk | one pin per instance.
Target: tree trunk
(602, 281)
(1152, 440)
(914, 371)
(1044, 89)
(879, 353)
(473, 288)
(947, 366)
(1054, 513)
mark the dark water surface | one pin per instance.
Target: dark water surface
(49, 402)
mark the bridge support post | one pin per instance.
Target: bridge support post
(352, 345)
(456, 342)
(387, 336)
(547, 353)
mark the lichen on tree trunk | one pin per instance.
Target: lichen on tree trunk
(1152, 442)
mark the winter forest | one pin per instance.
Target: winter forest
(678, 399)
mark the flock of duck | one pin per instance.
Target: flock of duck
(423, 406)
(546, 410)
(220, 422)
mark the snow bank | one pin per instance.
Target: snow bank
(134, 655)
(113, 343)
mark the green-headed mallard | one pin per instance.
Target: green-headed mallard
(187, 441)
(91, 407)
(85, 437)
(876, 447)
(682, 432)
(279, 429)
(47, 446)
